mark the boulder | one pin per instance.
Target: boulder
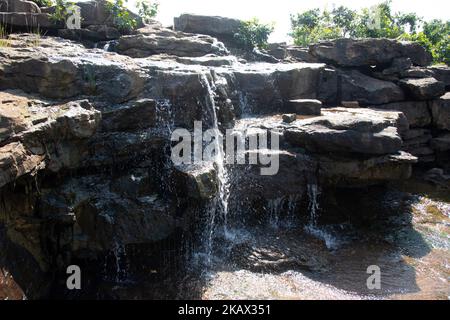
(306, 107)
(356, 86)
(344, 131)
(210, 25)
(440, 109)
(151, 41)
(368, 52)
(423, 89)
(441, 73)
(19, 6)
(417, 112)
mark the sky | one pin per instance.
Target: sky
(278, 11)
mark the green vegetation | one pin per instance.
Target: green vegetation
(377, 22)
(62, 9)
(253, 34)
(123, 20)
(147, 10)
(4, 41)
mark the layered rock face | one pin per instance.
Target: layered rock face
(86, 133)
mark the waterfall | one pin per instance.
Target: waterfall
(286, 205)
(222, 175)
(313, 193)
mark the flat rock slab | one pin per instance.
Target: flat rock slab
(341, 130)
(368, 52)
(423, 89)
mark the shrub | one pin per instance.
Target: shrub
(122, 17)
(253, 34)
(62, 8)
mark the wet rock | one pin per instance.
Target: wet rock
(351, 172)
(209, 60)
(348, 131)
(306, 107)
(94, 33)
(356, 86)
(29, 20)
(263, 87)
(19, 6)
(438, 177)
(196, 181)
(417, 112)
(441, 142)
(368, 52)
(135, 116)
(288, 118)
(423, 89)
(106, 213)
(440, 109)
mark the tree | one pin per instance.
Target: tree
(344, 18)
(376, 22)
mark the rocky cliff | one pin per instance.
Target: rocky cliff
(85, 136)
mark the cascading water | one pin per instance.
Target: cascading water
(313, 193)
(219, 205)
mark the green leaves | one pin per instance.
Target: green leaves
(122, 18)
(147, 9)
(253, 34)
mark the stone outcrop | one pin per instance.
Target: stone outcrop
(372, 52)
